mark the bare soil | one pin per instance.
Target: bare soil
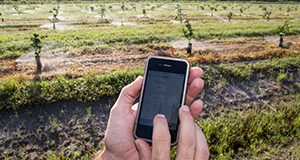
(65, 128)
(78, 62)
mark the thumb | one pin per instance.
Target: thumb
(130, 92)
(144, 149)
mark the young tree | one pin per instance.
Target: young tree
(123, 7)
(102, 12)
(134, 7)
(110, 7)
(179, 15)
(267, 15)
(92, 8)
(37, 45)
(54, 18)
(282, 30)
(229, 16)
(288, 10)
(188, 34)
(213, 9)
(2, 19)
(241, 11)
(152, 8)
(17, 9)
(145, 13)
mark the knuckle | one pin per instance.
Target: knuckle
(162, 138)
(124, 89)
(188, 141)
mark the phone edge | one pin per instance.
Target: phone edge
(142, 91)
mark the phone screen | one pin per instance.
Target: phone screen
(163, 91)
(162, 94)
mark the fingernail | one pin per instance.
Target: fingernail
(160, 116)
(185, 108)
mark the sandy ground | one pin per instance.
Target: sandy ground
(79, 61)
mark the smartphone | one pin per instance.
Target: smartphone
(163, 92)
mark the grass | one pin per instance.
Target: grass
(15, 94)
(258, 132)
(156, 30)
(254, 133)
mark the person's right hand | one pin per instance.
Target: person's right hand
(192, 144)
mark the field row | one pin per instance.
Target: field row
(15, 94)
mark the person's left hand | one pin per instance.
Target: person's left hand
(119, 141)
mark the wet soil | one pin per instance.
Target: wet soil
(81, 61)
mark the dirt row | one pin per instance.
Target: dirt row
(72, 129)
(78, 62)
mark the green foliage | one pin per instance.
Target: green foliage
(270, 68)
(267, 14)
(229, 16)
(36, 44)
(16, 94)
(102, 12)
(251, 132)
(54, 18)
(188, 30)
(17, 9)
(284, 28)
(282, 77)
(144, 13)
(179, 15)
(1, 16)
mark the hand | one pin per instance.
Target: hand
(119, 141)
(192, 144)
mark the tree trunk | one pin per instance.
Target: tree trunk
(38, 64)
(189, 48)
(53, 25)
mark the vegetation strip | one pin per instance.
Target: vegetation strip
(13, 45)
(254, 133)
(15, 94)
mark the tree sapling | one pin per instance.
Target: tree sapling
(37, 45)
(229, 16)
(282, 30)
(2, 19)
(145, 13)
(188, 34)
(213, 9)
(179, 15)
(17, 9)
(102, 12)
(54, 18)
(267, 14)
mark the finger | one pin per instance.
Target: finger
(134, 109)
(193, 90)
(187, 135)
(144, 149)
(196, 108)
(202, 151)
(195, 72)
(130, 92)
(161, 139)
